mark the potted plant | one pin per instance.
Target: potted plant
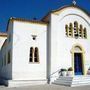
(70, 71)
(88, 72)
(63, 72)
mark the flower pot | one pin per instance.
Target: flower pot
(69, 73)
(88, 72)
(64, 73)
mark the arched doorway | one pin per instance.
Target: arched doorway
(78, 60)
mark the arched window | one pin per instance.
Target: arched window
(75, 30)
(81, 31)
(76, 25)
(31, 54)
(66, 28)
(84, 33)
(36, 55)
(70, 29)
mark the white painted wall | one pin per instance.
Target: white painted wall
(61, 45)
(22, 69)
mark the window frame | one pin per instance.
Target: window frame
(33, 55)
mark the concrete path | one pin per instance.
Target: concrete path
(46, 87)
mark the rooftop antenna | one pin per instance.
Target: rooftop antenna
(74, 2)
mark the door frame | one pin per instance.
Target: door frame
(83, 57)
(79, 61)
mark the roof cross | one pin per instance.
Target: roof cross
(74, 2)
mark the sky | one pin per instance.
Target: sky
(29, 9)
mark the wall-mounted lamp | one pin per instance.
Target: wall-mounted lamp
(34, 37)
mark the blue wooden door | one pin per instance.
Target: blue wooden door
(78, 64)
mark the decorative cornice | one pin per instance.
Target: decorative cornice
(62, 8)
(71, 6)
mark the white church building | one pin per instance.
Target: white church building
(39, 52)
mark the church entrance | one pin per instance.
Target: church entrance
(78, 69)
(78, 59)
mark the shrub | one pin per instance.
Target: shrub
(70, 69)
(63, 69)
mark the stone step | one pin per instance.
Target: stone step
(80, 84)
(18, 83)
(73, 81)
(64, 78)
(61, 83)
(81, 77)
(74, 78)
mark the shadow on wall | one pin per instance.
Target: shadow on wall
(5, 63)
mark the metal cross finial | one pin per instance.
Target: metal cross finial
(74, 2)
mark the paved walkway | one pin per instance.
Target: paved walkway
(46, 87)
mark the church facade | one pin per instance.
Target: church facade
(34, 51)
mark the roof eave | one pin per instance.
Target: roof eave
(53, 11)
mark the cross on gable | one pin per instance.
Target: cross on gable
(74, 2)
